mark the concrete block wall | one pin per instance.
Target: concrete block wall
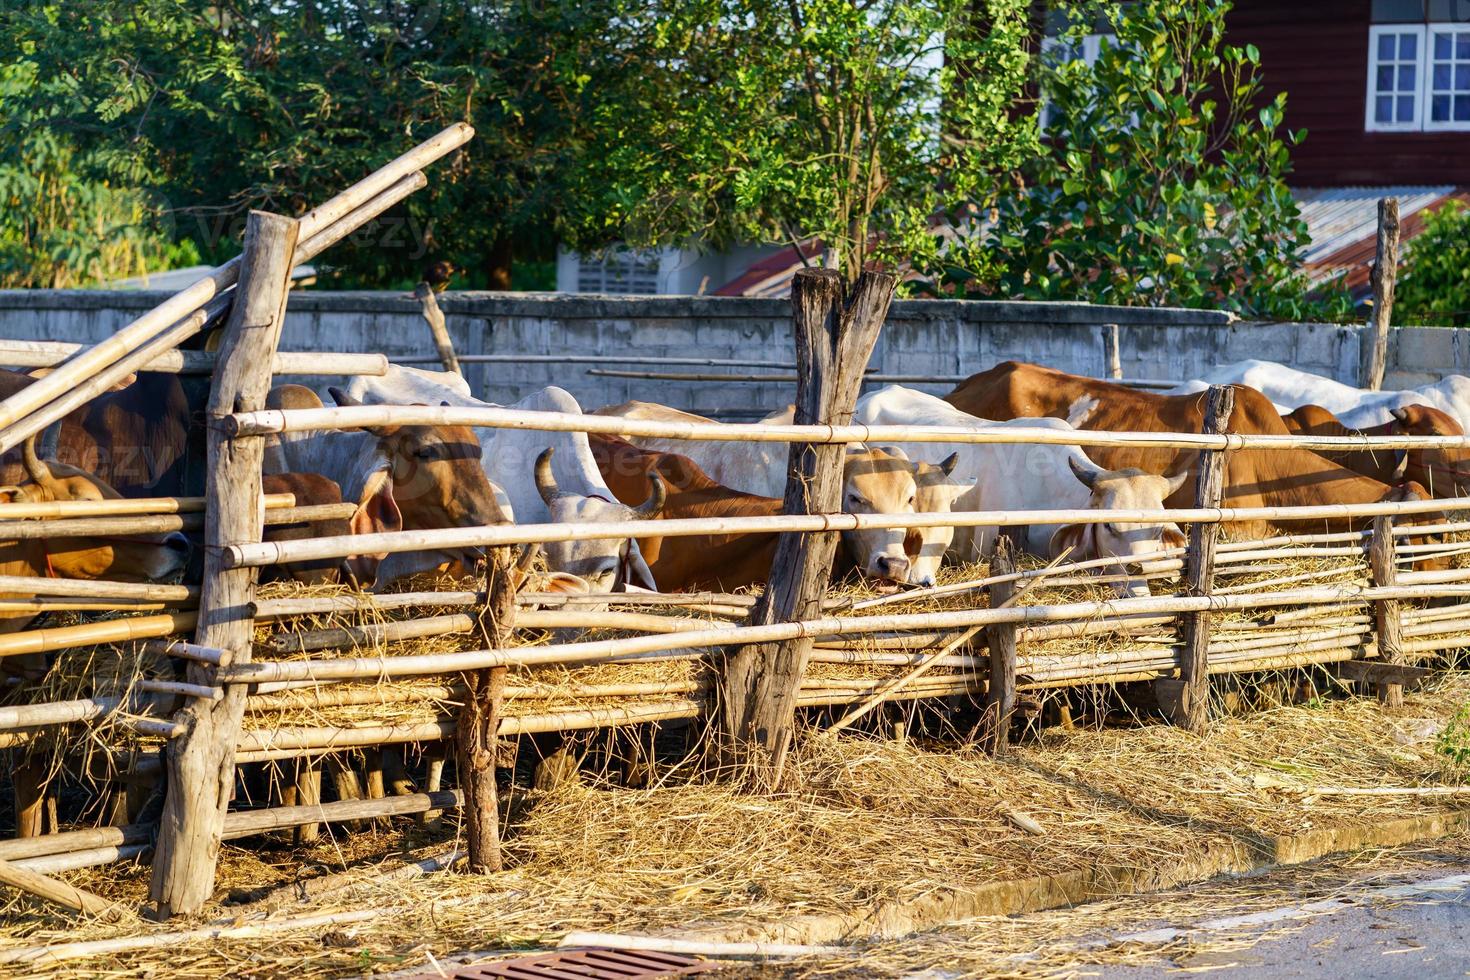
(923, 337)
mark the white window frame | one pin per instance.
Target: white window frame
(1450, 125)
(1424, 90)
(1371, 124)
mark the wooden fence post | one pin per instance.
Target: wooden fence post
(1385, 273)
(1387, 613)
(1186, 700)
(1000, 693)
(834, 337)
(476, 731)
(1112, 354)
(201, 763)
(424, 293)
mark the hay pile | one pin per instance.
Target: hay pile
(872, 821)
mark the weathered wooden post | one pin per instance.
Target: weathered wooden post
(1385, 273)
(834, 334)
(424, 293)
(1387, 613)
(1000, 692)
(1186, 700)
(201, 763)
(475, 732)
(1112, 355)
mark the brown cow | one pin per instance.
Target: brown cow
(1444, 472)
(402, 477)
(719, 562)
(137, 439)
(118, 558)
(314, 490)
(1253, 478)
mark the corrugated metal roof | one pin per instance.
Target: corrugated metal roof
(1342, 223)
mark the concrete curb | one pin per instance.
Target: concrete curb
(1013, 897)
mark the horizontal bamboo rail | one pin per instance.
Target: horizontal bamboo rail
(274, 552)
(274, 421)
(27, 510)
(48, 353)
(87, 634)
(160, 523)
(680, 644)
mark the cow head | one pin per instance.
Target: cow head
(876, 481)
(936, 493)
(426, 477)
(1128, 489)
(607, 565)
(1444, 472)
(125, 558)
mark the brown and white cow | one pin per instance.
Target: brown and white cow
(1253, 478)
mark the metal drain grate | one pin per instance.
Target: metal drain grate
(582, 964)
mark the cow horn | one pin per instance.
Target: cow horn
(35, 467)
(1084, 469)
(1400, 415)
(655, 502)
(527, 557)
(342, 398)
(947, 465)
(545, 482)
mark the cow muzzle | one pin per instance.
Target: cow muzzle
(890, 567)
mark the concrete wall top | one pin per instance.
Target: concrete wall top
(573, 306)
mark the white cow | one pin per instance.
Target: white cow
(570, 489)
(1033, 477)
(1355, 407)
(876, 481)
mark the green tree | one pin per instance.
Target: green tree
(220, 107)
(58, 229)
(785, 120)
(1434, 286)
(1161, 180)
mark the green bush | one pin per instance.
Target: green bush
(1434, 284)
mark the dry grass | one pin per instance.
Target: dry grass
(872, 821)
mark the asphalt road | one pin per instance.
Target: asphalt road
(1419, 928)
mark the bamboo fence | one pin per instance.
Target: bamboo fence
(219, 677)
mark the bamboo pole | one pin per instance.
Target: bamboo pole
(681, 645)
(128, 362)
(158, 523)
(275, 552)
(90, 634)
(56, 892)
(95, 589)
(72, 841)
(118, 508)
(201, 768)
(55, 713)
(276, 421)
(53, 864)
(49, 353)
(188, 651)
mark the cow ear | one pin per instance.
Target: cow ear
(378, 511)
(1074, 536)
(1400, 466)
(639, 574)
(563, 583)
(12, 495)
(1172, 537)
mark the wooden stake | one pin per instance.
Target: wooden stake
(1186, 701)
(834, 339)
(201, 764)
(308, 793)
(1385, 272)
(1387, 613)
(424, 293)
(479, 722)
(1000, 697)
